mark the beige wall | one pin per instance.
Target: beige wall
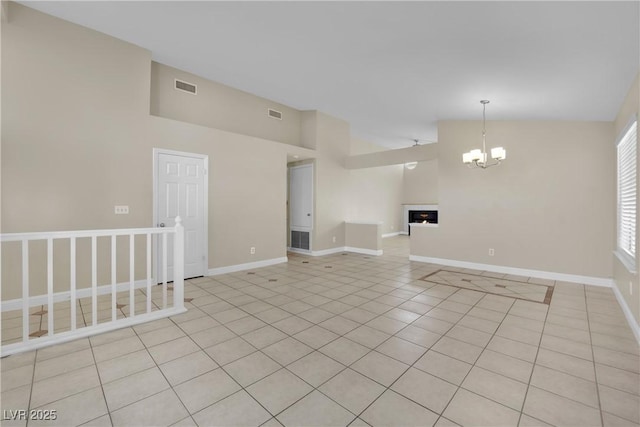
(625, 280)
(363, 236)
(392, 157)
(548, 207)
(221, 107)
(77, 139)
(420, 186)
(375, 194)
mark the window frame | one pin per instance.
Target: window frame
(624, 254)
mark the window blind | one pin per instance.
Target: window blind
(627, 182)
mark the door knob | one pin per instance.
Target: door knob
(161, 224)
(308, 214)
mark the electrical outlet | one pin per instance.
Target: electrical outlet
(491, 252)
(334, 239)
(122, 210)
(253, 250)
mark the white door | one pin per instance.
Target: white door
(300, 206)
(181, 190)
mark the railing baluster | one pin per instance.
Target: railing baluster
(50, 286)
(132, 260)
(25, 290)
(148, 272)
(72, 281)
(114, 290)
(178, 265)
(164, 270)
(94, 280)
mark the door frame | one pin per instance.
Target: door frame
(290, 227)
(205, 158)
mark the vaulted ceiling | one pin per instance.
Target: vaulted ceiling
(393, 69)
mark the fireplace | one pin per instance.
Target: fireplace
(422, 216)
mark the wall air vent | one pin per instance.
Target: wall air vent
(186, 87)
(275, 114)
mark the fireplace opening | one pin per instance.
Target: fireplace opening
(425, 217)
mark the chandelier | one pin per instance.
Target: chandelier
(479, 158)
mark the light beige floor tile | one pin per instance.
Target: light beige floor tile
(443, 366)
(185, 422)
(315, 368)
(292, 325)
(445, 422)
(119, 367)
(61, 386)
(279, 390)
(615, 343)
(161, 409)
(62, 364)
(76, 409)
(611, 420)
(230, 351)
(16, 377)
(162, 335)
(15, 399)
(508, 366)
(527, 421)
(117, 348)
(496, 387)
(264, 336)
(251, 368)
(103, 421)
(339, 325)
(206, 389)
(315, 409)
(180, 370)
(367, 336)
(620, 360)
(171, 350)
(418, 336)
(353, 390)
(513, 348)
(401, 350)
(434, 325)
(457, 349)
(618, 379)
(239, 410)
(17, 360)
(468, 335)
(386, 324)
(315, 337)
(569, 364)
(557, 410)
(380, 368)
(566, 385)
(392, 409)
(134, 387)
(287, 351)
(213, 336)
(199, 324)
(425, 389)
(344, 350)
(620, 403)
(569, 333)
(60, 349)
(479, 324)
(469, 409)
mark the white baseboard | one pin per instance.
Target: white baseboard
(364, 251)
(631, 320)
(328, 251)
(299, 251)
(247, 266)
(16, 304)
(397, 233)
(587, 280)
(404, 233)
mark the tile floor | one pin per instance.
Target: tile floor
(344, 340)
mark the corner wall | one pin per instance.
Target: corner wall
(548, 207)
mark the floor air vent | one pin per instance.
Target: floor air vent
(275, 114)
(300, 240)
(186, 87)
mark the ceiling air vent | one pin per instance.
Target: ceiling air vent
(275, 114)
(186, 87)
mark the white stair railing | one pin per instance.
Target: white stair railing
(31, 341)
